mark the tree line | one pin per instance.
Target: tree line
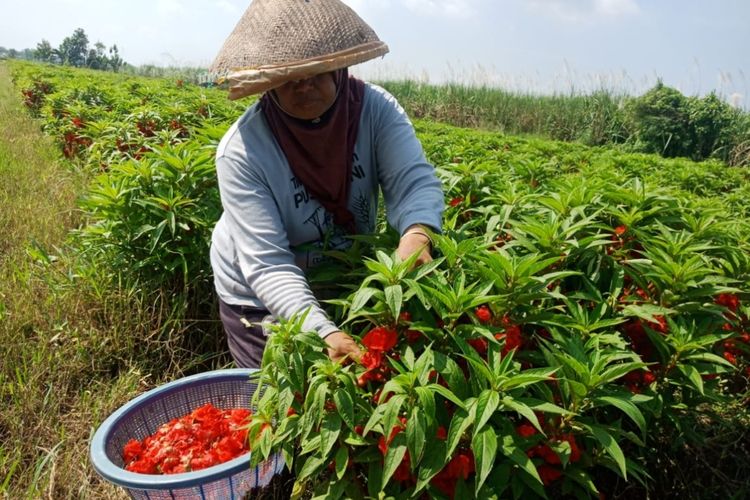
(73, 51)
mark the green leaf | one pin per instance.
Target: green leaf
(394, 296)
(487, 403)
(311, 466)
(426, 401)
(342, 461)
(460, 422)
(447, 394)
(416, 428)
(528, 377)
(393, 457)
(517, 456)
(692, 374)
(374, 478)
(523, 410)
(345, 406)
(708, 357)
(627, 407)
(484, 446)
(361, 298)
(610, 446)
(329, 433)
(434, 460)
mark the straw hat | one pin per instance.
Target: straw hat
(277, 41)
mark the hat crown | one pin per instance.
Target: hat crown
(278, 32)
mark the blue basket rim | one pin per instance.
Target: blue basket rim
(121, 477)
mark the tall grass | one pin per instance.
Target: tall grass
(592, 119)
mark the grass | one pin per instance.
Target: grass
(592, 119)
(70, 355)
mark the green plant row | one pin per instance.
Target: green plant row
(560, 336)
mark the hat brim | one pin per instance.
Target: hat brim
(249, 81)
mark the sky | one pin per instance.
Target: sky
(538, 46)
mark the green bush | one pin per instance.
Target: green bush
(665, 122)
(153, 217)
(711, 121)
(660, 122)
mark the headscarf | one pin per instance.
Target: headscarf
(320, 152)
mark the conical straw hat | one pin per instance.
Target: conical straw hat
(277, 41)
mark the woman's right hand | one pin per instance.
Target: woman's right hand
(341, 347)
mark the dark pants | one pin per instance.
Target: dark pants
(245, 333)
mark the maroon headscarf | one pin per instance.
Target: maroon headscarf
(320, 151)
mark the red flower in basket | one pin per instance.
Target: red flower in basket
(203, 438)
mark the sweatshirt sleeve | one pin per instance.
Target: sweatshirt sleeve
(412, 192)
(262, 248)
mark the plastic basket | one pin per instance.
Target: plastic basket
(142, 416)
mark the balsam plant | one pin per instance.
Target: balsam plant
(516, 366)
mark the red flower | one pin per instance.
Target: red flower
(456, 201)
(548, 474)
(444, 483)
(728, 300)
(441, 433)
(380, 339)
(526, 430)
(660, 325)
(512, 336)
(404, 317)
(461, 465)
(203, 438)
(383, 444)
(483, 313)
(575, 451)
(371, 359)
(479, 345)
(413, 336)
(545, 452)
(730, 357)
(620, 230)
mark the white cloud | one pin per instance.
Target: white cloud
(585, 10)
(227, 6)
(446, 8)
(362, 6)
(169, 7)
(443, 8)
(616, 8)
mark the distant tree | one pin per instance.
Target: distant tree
(3, 52)
(74, 49)
(115, 61)
(97, 58)
(44, 52)
(12, 53)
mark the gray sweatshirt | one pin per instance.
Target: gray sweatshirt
(272, 230)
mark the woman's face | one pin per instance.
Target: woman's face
(309, 98)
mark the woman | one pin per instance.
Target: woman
(303, 166)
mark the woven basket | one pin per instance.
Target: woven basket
(142, 416)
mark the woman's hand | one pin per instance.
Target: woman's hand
(415, 239)
(341, 347)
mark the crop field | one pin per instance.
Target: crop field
(582, 332)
